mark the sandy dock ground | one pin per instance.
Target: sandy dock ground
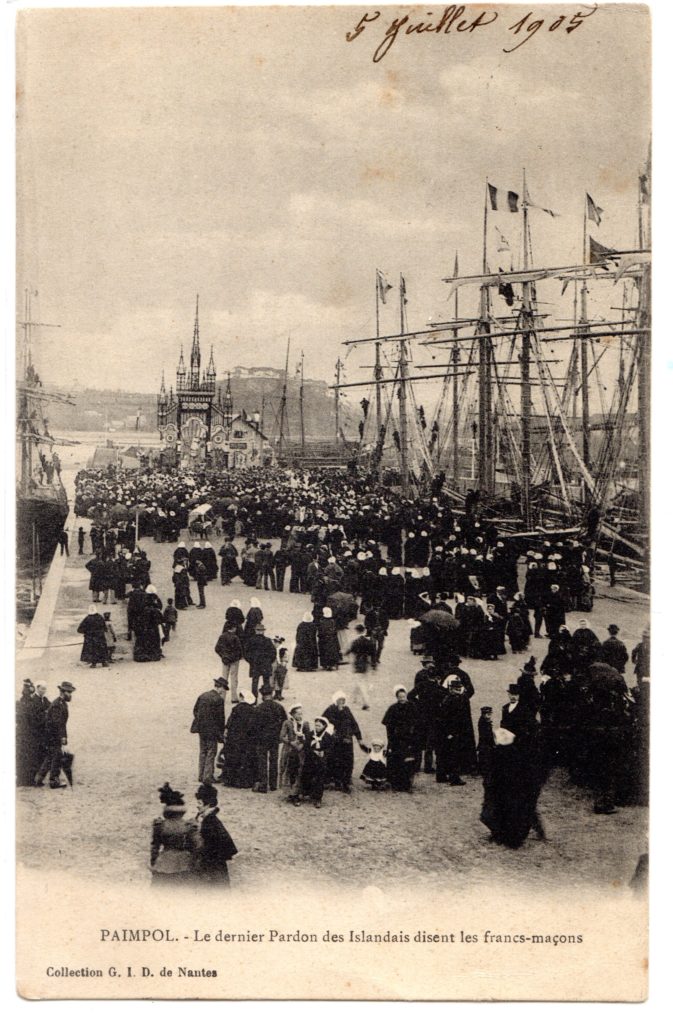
(129, 730)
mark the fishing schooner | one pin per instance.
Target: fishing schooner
(41, 501)
(516, 424)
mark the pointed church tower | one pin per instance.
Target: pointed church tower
(210, 372)
(228, 407)
(181, 375)
(161, 401)
(195, 361)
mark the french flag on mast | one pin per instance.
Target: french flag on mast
(502, 200)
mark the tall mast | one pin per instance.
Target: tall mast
(485, 425)
(527, 324)
(301, 406)
(455, 356)
(283, 404)
(584, 352)
(404, 455)
(337, 394)
(377, 360)
(644, 361)
(378, 373)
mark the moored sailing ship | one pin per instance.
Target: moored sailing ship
(516, 426)
(41, 500)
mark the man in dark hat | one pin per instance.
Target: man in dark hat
(268, 721)
(614, 651)
(449, 726)
(208, 724)
(426, 696)
(200, 574)
(56, 738)
(486, 741)
(260, 653)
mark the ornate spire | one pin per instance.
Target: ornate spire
(228, 406)
(210, 372)
(195, 361)
(181, 372)
(162, 389)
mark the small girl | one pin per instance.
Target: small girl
(110, 635)
(170, 623)
(280, 672)
(375, 772)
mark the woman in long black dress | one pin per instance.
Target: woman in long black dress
(148, 630)
(328, 641)
(216, 847)
(316, 759)
(518, 628)
(183, 597)
(517, 775)
(403, 729)
(94, 648)
(346, 729)
(30, 720)
(238, 755)
(306, 650)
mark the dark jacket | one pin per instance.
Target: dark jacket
(209, 715)
(228, 647)
(268, 721)
(55, 731)
(217, 845)
(260, 651)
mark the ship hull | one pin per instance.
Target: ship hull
(42, 518)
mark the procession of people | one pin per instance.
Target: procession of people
(362, 557)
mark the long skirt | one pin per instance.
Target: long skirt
(148, 645)
(340, 763)
(94, 649)
(401, 767)
(312, 777)
(511, 791)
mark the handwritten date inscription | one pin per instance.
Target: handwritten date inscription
(454, 20)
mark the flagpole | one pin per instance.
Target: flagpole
(456, 360)
(526, 403)
(584, 355)
(377, 362)
(376, 289)
(404, 465)
(484, 366)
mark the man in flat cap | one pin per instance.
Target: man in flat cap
(56, 738)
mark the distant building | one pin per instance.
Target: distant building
(197, 425)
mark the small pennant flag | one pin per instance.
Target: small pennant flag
(403, 290)
(382, 286)
(599, 253)
(594, 212)
(503, 244)
(644, 180)
(501, 200)
(545, 209)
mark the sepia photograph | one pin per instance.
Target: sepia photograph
(333, 323)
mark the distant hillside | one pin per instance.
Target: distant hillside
(252, 389)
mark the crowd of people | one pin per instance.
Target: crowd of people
(363, 556)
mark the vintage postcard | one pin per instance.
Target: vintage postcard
(333, 490)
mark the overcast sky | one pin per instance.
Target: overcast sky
(256, 157)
